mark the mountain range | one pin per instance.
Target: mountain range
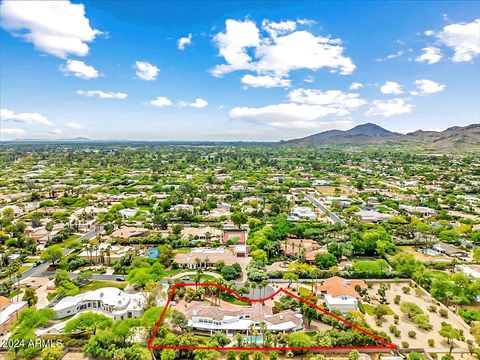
(456, 137)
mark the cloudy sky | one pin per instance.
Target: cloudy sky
(235, 70)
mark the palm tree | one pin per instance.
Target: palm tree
(263, 328)
(239, 339)
(107, 252)
(251, 327)
(263, 284)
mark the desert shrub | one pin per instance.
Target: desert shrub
(412, 334)
(431, 342)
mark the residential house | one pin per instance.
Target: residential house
(105, 253)
(205, 258)
(109, 300)
(340, 294)
(471, 270)
(205, 317)
(302, 213)
(310, 248)
(128, 232)
(9, 313)
(449, 250)
(368, 215)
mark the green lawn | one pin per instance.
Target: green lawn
(233, 299)
(14, 293)
(97, 284)
(68, 242)
(369, 309)
(304, 291)
(173, 272)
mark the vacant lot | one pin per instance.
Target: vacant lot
(405, 325)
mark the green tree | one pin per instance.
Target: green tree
(168, 354)
(239, 218)
(325, 261)
(88, 321)
(353, 355)
(450, 333)
(30, 296)
(52, 254)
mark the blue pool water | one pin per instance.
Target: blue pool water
(152, 253)
(256, 340)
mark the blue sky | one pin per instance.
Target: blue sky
(243, 71)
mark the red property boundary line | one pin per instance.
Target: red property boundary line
(387, 345)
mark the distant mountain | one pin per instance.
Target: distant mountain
(78, 138)
(364, 133)
(457, 137)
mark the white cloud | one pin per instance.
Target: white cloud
(102, 94)
(10, 132)
(430, 54)
(303, 109)
(332, 98)
(27, 118)
(161, 101)
(391, 87)
(462, 38)
(184, 41)
(146, 71)
(428, 87)
(79, 69)
(389, 107)
(355, 86)
(274, 29)
(306, 22)
(309, 79)
(59, 28)
(266, 81)
(392, 56)
(198, 103)
(279, 52)
(287, 115)
(232, 44)
(74, 125)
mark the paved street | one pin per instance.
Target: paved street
(323, 209)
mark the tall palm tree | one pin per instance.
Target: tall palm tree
(108, 251)
(263, 328)
(251, 327)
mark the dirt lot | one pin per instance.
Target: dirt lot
(422, 257)
(405, 325)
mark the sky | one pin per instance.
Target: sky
(260, 71)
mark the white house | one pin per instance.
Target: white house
(341, 294)
(127, 213)
(302, 213)
(208, 318)
(109, 300)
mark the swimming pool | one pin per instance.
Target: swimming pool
(152, 253)
(254, 339)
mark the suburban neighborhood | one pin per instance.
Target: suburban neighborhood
(74, 259)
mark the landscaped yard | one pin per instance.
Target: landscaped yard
(232, 299)
(96, 284)
(406, 325)
(422, 257)
(369, 309)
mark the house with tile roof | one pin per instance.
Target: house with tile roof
(205, 317)
(9, 313)
(205, 258)
(341, 294)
